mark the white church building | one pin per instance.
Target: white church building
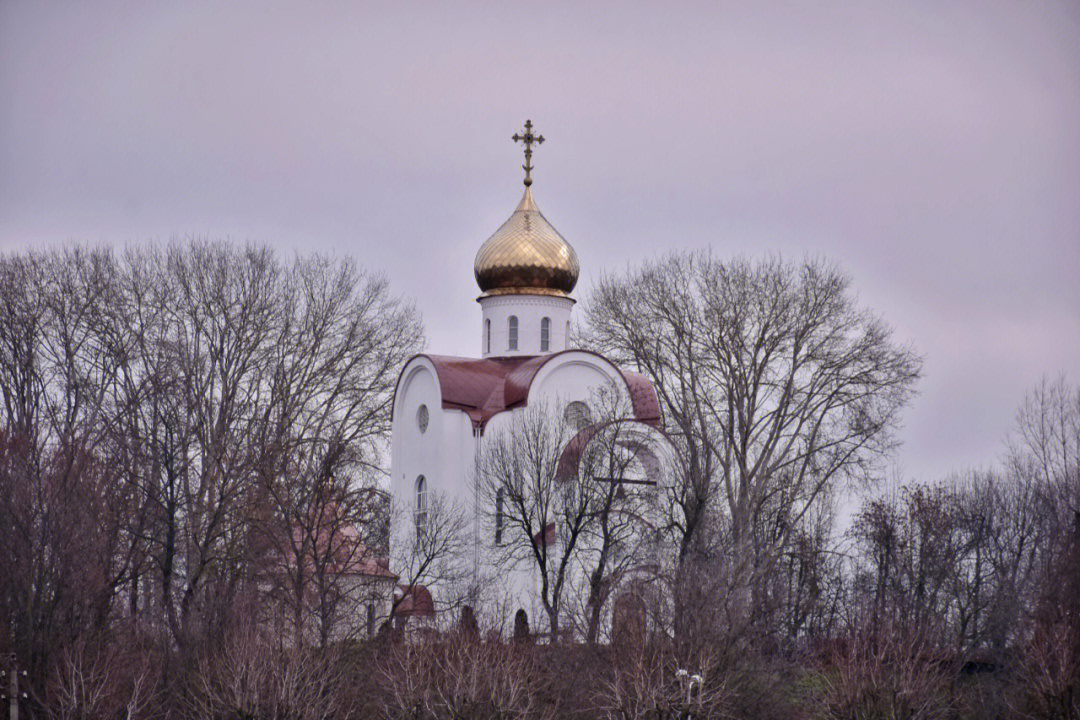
(444, 406)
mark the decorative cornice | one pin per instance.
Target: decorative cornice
(526, 299)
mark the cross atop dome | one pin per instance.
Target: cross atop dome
(526, 255)
(528, 139)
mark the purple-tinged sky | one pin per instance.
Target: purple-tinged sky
(932, 149)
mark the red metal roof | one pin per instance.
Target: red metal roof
(483, 387)
(336, 543)
(570, 459)
(545, 537)
(414, 601)
(643, 397)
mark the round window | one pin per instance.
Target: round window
(422, 418)
(577, 415)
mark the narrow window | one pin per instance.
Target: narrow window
(617, 553)
(421, 507)
(545, 334)
(566, 341)
(487, 336)
(498, 516)
(513, 332)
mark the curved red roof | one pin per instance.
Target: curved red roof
(570, 459)
(414, 601)
(484, 387)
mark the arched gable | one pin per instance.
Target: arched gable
(574, 374)
(419, 370)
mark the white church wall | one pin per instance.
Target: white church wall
(414, 453)
(441, 453)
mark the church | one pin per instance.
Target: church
(446, 407)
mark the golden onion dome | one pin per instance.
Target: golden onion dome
(526, 256)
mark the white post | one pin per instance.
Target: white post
(12, 688)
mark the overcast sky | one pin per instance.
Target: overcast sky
(931, 149)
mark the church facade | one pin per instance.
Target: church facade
(445, 407)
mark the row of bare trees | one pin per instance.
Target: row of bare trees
(191, 441)
(189, 435)
(781, 397)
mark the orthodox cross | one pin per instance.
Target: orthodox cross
(528, 138)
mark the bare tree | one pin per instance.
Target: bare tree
(1047, 437)
(334, 356)
(805, 594)
(276, 378)
(454, 678)
(775, 385)
(63, 506)
(1046, 452)
(101, 681)
(326, 556)
(884, 671)
(626, 469)
(429, 552)
(253, 676)
(542, 516)
(908, 544)
(155, 407)
(645, 682)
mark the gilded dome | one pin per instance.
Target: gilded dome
(526, 256)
